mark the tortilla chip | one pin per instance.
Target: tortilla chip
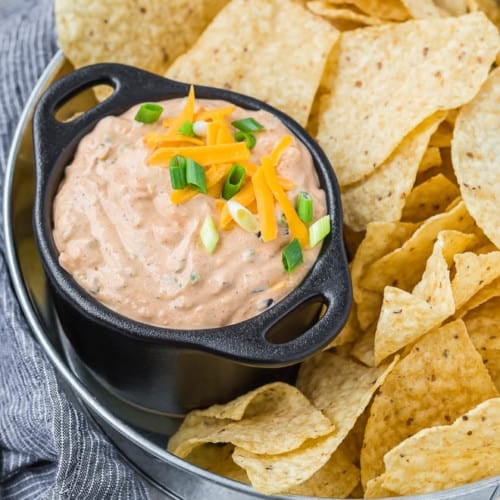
(442, 137)
(368, 309)
(441, 378)
(364, 348)
(406, 317)
(483, 295)
(393, 269)
(275, 418)
(429, 198)
(383, 9)
(473, 272)
(491, 359)
(431, 158)
(353, 442)
(375, 489)
(149, 36)
(491, 9)
(336, 479)
(350, 331)
(330, 12)
(475, 152)
(276, 473)
(447, 456)
(456, 7)
(422, 9)
(339, 387)
(483, 325)
(237, 51)
(382, 195)
(379, 97)
(381, 238)
(216, 458)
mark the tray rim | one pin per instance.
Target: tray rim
(89, 401)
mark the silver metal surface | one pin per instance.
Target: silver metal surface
(141, 436)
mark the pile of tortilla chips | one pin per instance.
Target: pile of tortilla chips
(404, 97)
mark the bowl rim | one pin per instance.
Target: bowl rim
(54, 144)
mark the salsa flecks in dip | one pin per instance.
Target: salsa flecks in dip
(124, 240)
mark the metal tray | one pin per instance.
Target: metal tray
(140, 436)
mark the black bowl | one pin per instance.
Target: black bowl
(164, 369)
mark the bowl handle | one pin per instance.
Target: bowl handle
(52, 137)
(336, 297)
(265, 340)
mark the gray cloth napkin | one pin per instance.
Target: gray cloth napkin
(48, 449)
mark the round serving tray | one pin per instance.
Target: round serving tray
(141, 436)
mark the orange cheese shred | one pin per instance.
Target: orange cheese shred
(216, 173)
(251, 170)
(280, 149)
(265, 206)
(216, 190)
(212, 131)
(212, 114)
(155, 140)
(224, 135)
(204, 155)
(186, 115)
(245, 196)
(179, 196)
(297, 228)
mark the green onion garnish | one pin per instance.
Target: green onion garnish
(177, 169)
(148, 113)
(249, 138)
(242, 216)
(186, 129)
(248, 125)
(319, 230)
(195, 176)
(209, 234)
(292, 256)
(305, 207)
(234, 180)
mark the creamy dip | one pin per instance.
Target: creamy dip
(124, 241)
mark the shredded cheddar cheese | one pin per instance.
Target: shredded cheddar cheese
(216, 150)
(265, 206)
(212, 114)
(224, 135)
(204, 155)
(212, 131)
(297, 228)
(154, 140)
(186, 115)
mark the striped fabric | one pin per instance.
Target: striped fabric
(47, 448)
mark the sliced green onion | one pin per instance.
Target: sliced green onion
(319, 230)
(209, 234)
(177, 169)
(242, 216)
(195, 176)
(305, 207)
(248, 125)
(249, 139)
(186, 129)
(292, 255)
(200, 128)
(148, 113)
(234, 180)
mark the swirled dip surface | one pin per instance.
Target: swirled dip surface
(124, 241)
